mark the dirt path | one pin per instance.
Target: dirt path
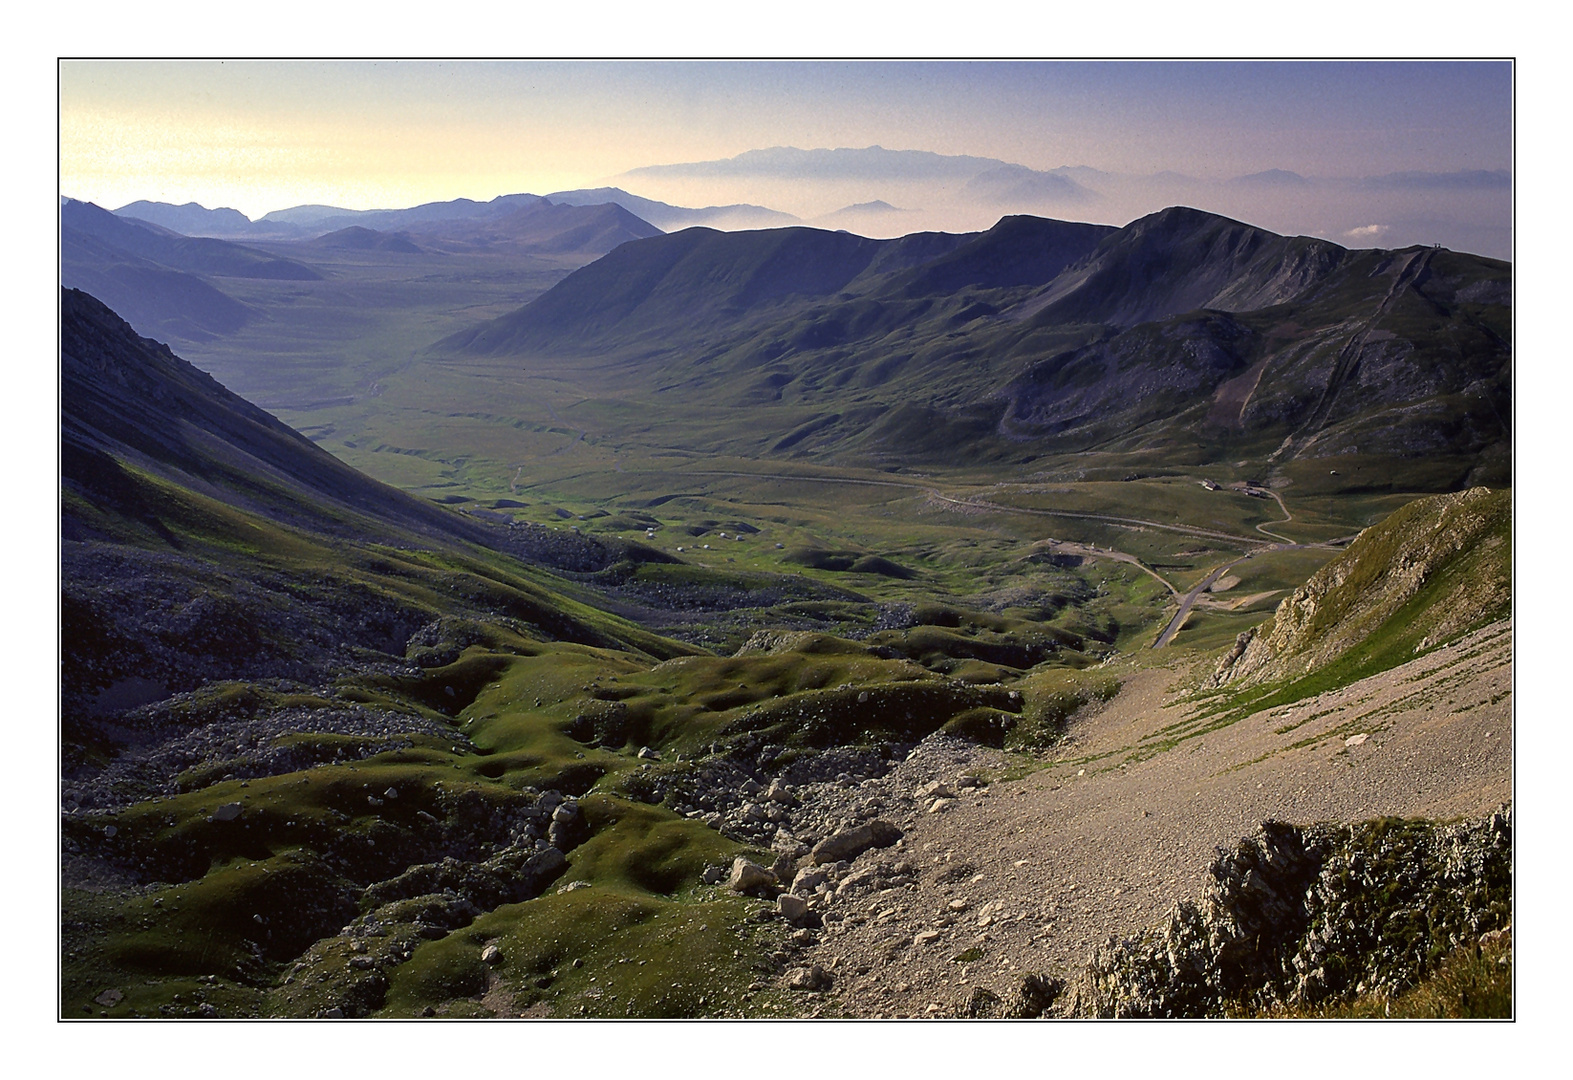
(1092, 551)
(1030, 875)
(1287, 518)
(1188, 530)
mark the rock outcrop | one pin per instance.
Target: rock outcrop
(1454, 548)
(1304, 916)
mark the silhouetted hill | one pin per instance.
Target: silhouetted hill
(323, 219)
(201, 255)
(189, 219)
(359, 238)
(1017, 184)
(670, 218)
(549, 228)
(1019, 250)
(685, 278)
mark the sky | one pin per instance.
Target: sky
(265, 135)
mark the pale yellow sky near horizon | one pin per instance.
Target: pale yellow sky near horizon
(264, 135)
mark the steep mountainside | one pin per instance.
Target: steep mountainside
(1183, 332)
(203, 539)
(130, 402)
(1431, 571)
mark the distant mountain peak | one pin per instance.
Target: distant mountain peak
(1272, 178)
(841, 163)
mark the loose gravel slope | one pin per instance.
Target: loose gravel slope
(1030, 874)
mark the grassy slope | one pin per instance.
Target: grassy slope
(1430, 572)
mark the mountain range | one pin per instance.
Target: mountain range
(166, 282)
(167, 269)
(1183, 329)
(844, 187)
(529, 222)
(1465, 209)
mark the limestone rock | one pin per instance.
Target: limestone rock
(808, 879)
(748, 876)
(850, 843)
(784, 866)
(793, 908)
(813, 977)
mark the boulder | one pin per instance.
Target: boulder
(566, 811)
(813, 977)
(793, 908)
(228, 812)
(788, 844)
(748, 877)
(808, 879)
(784, 866)
(850, 843)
